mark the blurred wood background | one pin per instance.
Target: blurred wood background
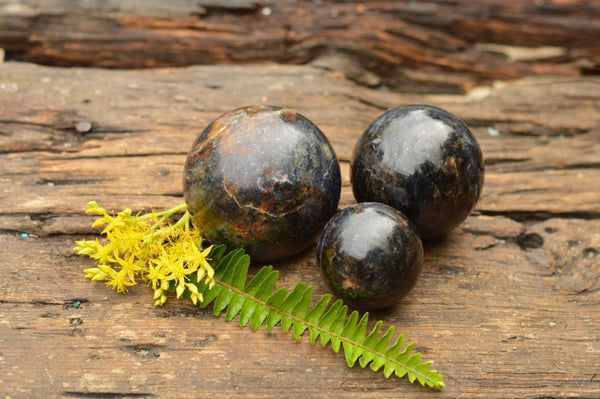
(411, 46)
(102, 100)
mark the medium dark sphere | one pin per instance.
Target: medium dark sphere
(424, 162)
(262, 178)
(370, 255)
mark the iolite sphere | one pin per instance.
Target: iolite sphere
(370, 255)
(262, 178)
(424, 162)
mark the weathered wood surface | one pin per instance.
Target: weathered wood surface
(508, 304)
(412, 46)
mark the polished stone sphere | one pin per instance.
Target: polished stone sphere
(262, 178)
(424, 162)
(370, 255)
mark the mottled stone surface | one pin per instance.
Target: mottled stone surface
(262, 178)
(422, 161)
(370, 255)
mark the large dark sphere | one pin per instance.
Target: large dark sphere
(370, 255)
(422, 161)
(262, 178)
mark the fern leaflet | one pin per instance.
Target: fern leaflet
(258, 303)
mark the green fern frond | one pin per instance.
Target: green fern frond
(258, 303)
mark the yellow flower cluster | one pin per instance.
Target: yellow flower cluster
(150, 247)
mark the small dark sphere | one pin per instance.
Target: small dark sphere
(370, 255)
(424, 162)
(262, 178)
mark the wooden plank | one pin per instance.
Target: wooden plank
(507, 305)
(424, 46)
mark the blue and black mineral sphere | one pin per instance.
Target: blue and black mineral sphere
(370, 255)
(262, 178)
(424, 162)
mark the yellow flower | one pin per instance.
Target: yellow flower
(149, 247)
(116, 280)
(103, 252)
(195, 296)
(128, 266)
(154, 275)
(86, 247)
(95, 274)
(93, 208)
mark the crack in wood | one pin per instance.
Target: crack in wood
(67, 303)
(524, 216)
(490, 161)
(98, 130)
(522, 161)
(144, 350)
(133, 155)
(530, 241)
(370, 103)
(106, 394)
(68, 182)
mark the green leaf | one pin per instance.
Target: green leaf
(258, 304)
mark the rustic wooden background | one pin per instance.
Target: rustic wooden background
(508, 304)
(413, 46)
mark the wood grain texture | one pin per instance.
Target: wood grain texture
(508, 304)
(411, 46)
